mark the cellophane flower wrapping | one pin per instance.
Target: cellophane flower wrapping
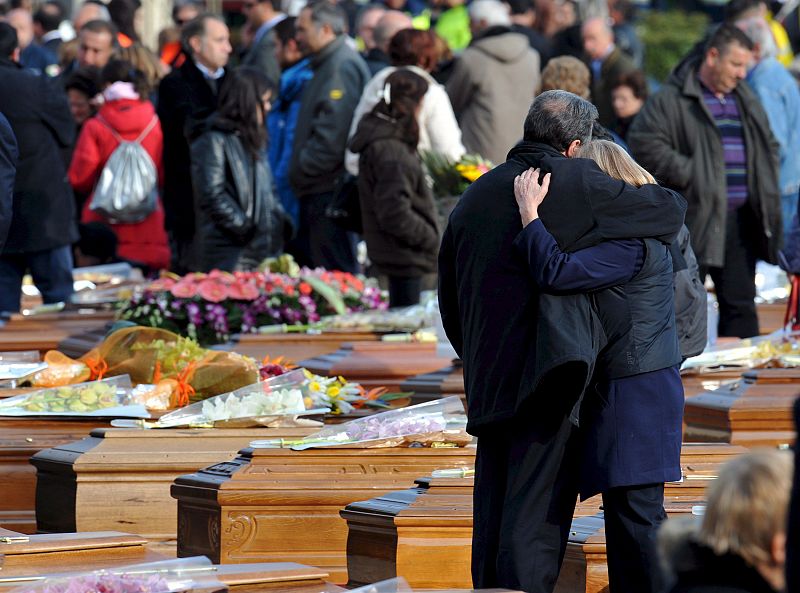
(169, 576)
(113, 397)
(272, 402)
(395, 585)
(433, 423)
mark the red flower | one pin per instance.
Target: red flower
(305, 288)
(162, 284)
(184, 289)
(212, 291)
(243, 291)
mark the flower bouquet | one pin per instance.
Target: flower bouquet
(169, 576)
(109, 397)
(780, 349)
(275, 402)
(210, 307)
(432, 424)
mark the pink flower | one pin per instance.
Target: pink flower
(212, 291)
(162, 284)
(243, 291)
(184, 289)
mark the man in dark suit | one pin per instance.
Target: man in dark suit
(528, 356)
(186, 97)
(606, 62)
(262, 16)
(43, 222)
(46, 21)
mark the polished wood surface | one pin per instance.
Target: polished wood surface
(443, 382)
(378, 364)
(296, 346)
(270, 504)
(120, 479)
(74, 333)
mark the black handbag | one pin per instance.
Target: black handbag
(345, 207)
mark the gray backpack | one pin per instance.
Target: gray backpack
(126, 190)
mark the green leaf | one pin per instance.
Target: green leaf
(327, 292)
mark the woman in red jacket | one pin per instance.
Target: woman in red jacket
(126, 113)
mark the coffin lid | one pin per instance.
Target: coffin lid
(63, 542)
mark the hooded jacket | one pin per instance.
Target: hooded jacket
(518, 344)
(491, 89)
(397, 209)
(675, 138)
(146, 241)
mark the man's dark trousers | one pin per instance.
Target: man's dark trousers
(526, 486)
(321, 242)
(735, 281)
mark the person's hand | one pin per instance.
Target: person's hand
(530, 194)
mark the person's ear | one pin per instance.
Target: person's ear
(572, 149)
(778, 549)
(15, 55)
(712, 57)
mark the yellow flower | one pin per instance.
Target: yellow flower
(308, 402)
(333, 391)
(314, 386)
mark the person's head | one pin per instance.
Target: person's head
(598, 38)
(567, 73)
(258, 12)
(727, 55)
(560, 119)
(145, 62)
(628, 94)
(484, 14)
(757, 29)
(9, 46)
(615, 162)
(82, 86)
(22, 21)
(318, 25)
(746, 511)
(387, 27)
(402, 96)
(96, 43)
(125, 15)
(365, 23)
(412, 47)
(88, 12)
(286, 50)
(244, 102)
(123, 71)
(97, 245)
(47, 18)
(621, 11)
(208, 41)
(737, 10)
(522, 12)
(185, 11)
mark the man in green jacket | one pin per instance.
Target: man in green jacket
(323, 125)
(706, 135)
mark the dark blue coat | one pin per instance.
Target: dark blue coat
(8, 169)
(631, 426)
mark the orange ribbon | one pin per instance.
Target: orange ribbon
(157, 372)
(98, 367)
(184, 390)
(372, 394)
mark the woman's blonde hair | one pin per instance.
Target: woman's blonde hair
(615, 162)
(748, 505)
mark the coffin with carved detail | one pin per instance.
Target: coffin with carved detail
(277, 503)
(120, 479)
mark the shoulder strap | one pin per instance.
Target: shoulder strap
(147, 130)
(120, 139)
(116, 135)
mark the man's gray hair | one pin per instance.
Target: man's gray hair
(325, 12)
(197, 28)
(492, 12)
(757, 29)
(558, 118)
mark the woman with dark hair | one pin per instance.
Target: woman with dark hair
(417, 52)
(397, 209)
(82, 86)
(628, 95)
(124, 14)
(126, 115)
(239, 220)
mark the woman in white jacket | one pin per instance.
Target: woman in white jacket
(438, 128)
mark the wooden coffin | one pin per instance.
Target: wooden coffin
(66, 552)
(119, 479)
(270, 504)
(296, 346)
(20, 439)
(770, 317)
(73, 332)
(424, 533)
(751, 412)
(378, 364)
(438, 384)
